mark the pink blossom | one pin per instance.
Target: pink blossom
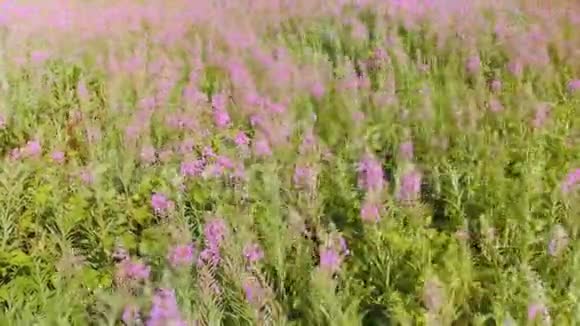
(161, 204)
(130, 314)
(254, 291)
(409, 186)
(371, 175)
(220, 113)
(406, 150)
(87, 176)
(253, 253)
(574, 86)
(516, 68)
(132, 270)
(495, 105)
(82, 91)
(262, 147)
(191, 168)
(58, 157)
(330, 259)
(147, 154)
(571, 181)
(473, 64)
(304, 176)
(317, 90)
(370, 211)
(241, 139)
(181, 255)
(542, 113)
(496, 85)
(32, 149)
(537, 310)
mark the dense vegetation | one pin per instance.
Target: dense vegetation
(272, 162)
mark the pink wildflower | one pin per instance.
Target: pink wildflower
(253, 253)
(409, 186)
(571, 181)
(496, 85)
(371, 176)
(165, 311)
(181, 255)
(262, 147)
(542, 113)
(473, 64)
(58, 157)
(191, 168)
(241, 139)
(574, 86)
(147, 154)
(130, 315)
(317, 90)
(161, 204)
(406, 150)
(330, 259)
(128, 270)
(32, 149)
(370, 211)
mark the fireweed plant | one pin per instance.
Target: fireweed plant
(272, 162)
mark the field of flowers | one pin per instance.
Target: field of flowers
(289, 162)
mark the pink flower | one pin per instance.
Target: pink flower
(330, 260)
(87, 176)
(161, 204)
(304, 176)
(571, 181)
(516, 68)
(147, 154)
(181, 255)
(241, 139)
(165, 310)
(254, 292)
(82, 91)
(191, 168)
(253, 253)
(317, 90)
(496, 85)
(220, 113)
(371, 176)
(32, 149)
(542, 113)
(473, 64)
(15, 154)
(262, 147)
(58, 157)
(574, 86)
(495, 105)
(406, 150)
(130, 315)
(537, 309)
(370, 211)
(410, 186)
(132, 270)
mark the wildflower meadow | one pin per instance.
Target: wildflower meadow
(289, 162)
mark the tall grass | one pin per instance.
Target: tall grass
(278, 162)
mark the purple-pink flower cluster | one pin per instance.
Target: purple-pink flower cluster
(571, 181)
(164, 310)
(214, 232)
